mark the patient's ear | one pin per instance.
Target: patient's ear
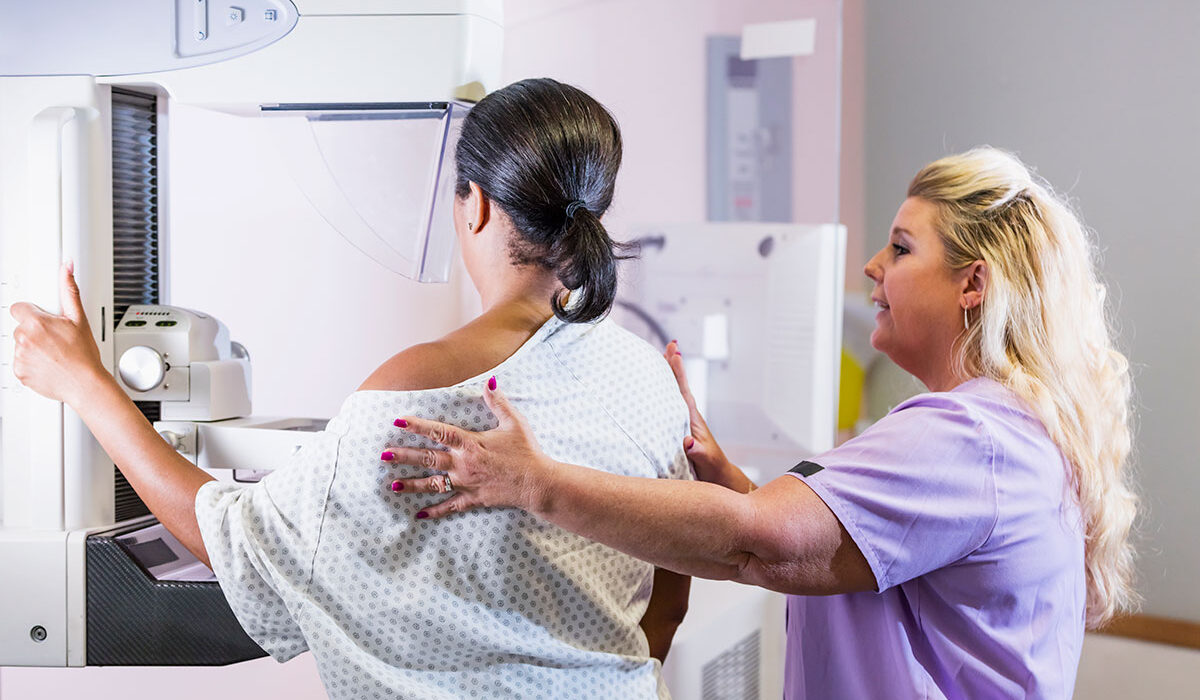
(479, 208)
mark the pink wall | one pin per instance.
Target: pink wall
(646, 63)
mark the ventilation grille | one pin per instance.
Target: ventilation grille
(126, 504)
(734, 674)
(135, 200)
(135, 235)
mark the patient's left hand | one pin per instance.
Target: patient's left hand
(56, 356)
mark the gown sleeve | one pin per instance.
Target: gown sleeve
(261, 540)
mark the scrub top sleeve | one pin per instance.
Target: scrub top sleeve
(916, 491)
(261, 540)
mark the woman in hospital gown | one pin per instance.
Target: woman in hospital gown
(324, 555)
(959, 546)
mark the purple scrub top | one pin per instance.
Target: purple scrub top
(960, 503)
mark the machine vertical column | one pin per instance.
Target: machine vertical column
(49, 192)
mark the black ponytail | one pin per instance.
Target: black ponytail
(586, 262)
(547, 154)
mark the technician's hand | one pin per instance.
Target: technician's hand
(707, 457)
(56, 356)
(500, 467)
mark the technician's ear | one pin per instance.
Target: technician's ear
(479, 209)
(975, 281)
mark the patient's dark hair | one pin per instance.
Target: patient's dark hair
(542, 150)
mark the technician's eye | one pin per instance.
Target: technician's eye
(899, 249)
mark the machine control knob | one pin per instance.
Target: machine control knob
(172, 438)
(142, 368)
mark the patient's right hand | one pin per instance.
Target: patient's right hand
(705, 455)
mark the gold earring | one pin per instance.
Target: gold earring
(470, 225)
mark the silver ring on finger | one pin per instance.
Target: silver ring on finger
(447, 487)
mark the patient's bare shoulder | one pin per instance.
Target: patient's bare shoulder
(424, 366)
(459, 355)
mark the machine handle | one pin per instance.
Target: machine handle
(57, 187)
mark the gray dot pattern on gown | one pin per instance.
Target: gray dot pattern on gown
(492, 603)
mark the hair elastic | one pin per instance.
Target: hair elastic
(573, 207)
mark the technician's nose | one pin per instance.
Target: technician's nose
(873, 269)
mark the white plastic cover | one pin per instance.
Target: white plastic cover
(382, 175)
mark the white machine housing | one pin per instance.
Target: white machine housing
(58, 74)
(184, 359)
(760, 326)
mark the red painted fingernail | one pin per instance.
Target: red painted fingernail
(688, 442)
(387, 456)
(492, 384)
(397, 486)
(675, 341)
(400, 423)
(421, 515)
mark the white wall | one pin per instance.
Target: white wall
(316, 314)
(1102, 98)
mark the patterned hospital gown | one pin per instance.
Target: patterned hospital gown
(492, 603)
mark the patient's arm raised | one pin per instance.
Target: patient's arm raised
(56, 356)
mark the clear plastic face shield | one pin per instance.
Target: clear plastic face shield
(381, 175)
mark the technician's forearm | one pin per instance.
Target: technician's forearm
(689, 527)
(164, 479)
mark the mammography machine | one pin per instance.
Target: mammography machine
(85, 94)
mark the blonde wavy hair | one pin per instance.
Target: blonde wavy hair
(1043, 332)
